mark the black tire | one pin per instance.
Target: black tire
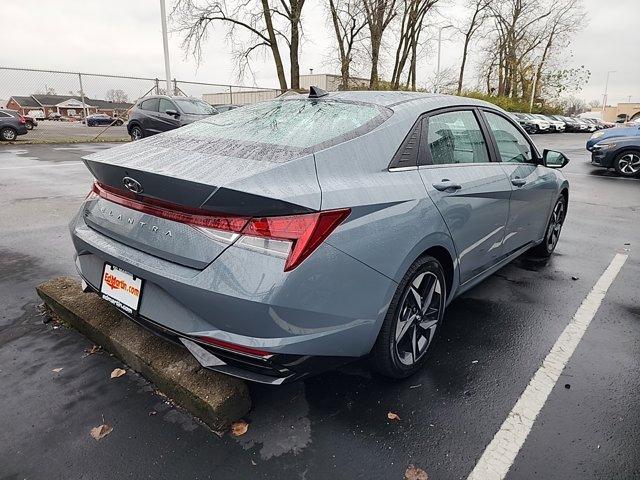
(136, 133)
(118, 123)
(29, 125)
(627, 163)
(553, 230)
(388, 355)
(8, 134)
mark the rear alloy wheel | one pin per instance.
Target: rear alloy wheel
(136, 133)
(412, 320)
(29, 125)
(552, 234)
(627, 164)
(8, 134)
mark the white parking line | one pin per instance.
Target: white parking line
(500, 454)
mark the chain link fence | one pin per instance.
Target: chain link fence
(61, 106)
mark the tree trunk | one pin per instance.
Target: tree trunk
(293, 55)
(463, 63)
(273, 43)
(375, 55)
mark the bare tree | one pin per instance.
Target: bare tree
(348, 20)
(116, 96)
(411, 26)
(378, 14)
(567, 18)
(479, 9)
(263, 22)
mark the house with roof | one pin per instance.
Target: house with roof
(67, 105)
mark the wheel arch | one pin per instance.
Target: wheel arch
(445, 258)
(132, 124)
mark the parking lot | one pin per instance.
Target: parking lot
(335, 425)
(57, 131)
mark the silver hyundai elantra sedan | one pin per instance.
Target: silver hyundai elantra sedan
(283, 238)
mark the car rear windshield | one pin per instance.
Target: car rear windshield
(297, 124)
(195, 107)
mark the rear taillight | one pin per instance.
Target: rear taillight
(293, 237)
(22, 120)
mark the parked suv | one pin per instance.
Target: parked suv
(161, 113)
(11, 126)
(539, 125)
(29, 122)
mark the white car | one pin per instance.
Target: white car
(541, 125)
(36, 114)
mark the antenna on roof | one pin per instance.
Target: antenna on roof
(317, 92)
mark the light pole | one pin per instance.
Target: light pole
(165, 44)
(606, 91)
(436, 87)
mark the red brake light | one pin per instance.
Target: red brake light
(171, 211)
(22, 120)
(306, 232)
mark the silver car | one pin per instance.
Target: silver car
(286, 237)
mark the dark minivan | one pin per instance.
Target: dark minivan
(160, 113)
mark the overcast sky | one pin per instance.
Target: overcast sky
(124, 37)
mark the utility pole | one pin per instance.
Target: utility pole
(606, 91)
(165, 44)
(437, 82)
(533, 88)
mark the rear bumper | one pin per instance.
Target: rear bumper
(325, 312)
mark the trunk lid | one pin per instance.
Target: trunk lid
(191, 176)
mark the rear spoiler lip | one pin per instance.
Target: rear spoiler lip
(210, 198)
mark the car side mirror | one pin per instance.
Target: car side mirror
(173, 113)
(553, 159)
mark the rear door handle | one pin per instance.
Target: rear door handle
(518, 182)
(446, 185)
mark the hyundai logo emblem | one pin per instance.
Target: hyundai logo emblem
(132, 184)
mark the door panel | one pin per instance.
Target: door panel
(471, 193)
(475, 214)
(533, 185)
(530, 204)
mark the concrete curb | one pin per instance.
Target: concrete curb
(216, 399)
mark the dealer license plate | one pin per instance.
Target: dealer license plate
(121, 288)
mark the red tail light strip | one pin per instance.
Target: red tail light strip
(172, 211)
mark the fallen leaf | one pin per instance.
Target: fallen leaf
(474, 361)
(92, 350)
(393, 416)
(575, 278)
(415, 473)
(152, 412)
(57, 370)
(118, 372)
(239, 428)
(101, 431)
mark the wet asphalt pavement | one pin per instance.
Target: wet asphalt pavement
(334, 425)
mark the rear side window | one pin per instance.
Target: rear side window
(151, 104)
(455, 137)
(512, 145)
(295, 124)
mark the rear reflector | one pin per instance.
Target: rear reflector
(234, 347)
(293, 237)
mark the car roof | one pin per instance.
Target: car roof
(411, 102)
